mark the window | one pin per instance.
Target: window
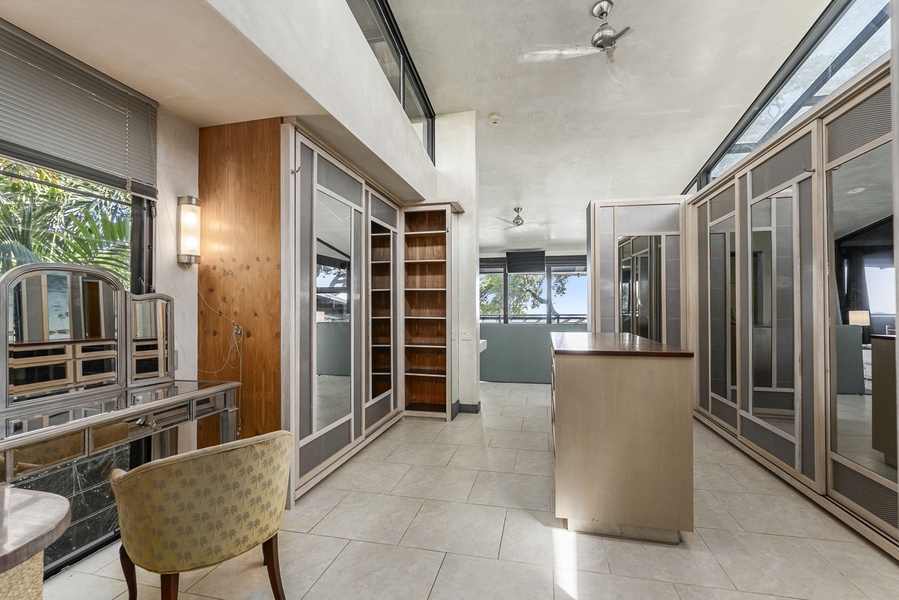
(46, 216)
(383, 35)
(848, 37)
(556, 295)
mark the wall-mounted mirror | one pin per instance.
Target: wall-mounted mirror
(151, 333)
(334, 283)
(773, 272)
(62, 330)
(723, 310)
(863, 312)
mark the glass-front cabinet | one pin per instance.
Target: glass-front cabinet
(795, 304)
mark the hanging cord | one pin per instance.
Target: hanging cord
(235, 340)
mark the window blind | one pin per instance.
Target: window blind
(59, 113)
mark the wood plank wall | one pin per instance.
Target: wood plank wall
(240, 274)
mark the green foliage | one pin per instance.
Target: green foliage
(43, 223)
(526, 291)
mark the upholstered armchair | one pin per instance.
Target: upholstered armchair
(200, 508)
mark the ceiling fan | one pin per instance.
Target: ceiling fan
(604, 40)
(518, 220)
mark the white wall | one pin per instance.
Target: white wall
(177, 166)
(177, 162)
(319, 45)
(456, 156)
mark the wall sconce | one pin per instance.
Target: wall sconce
(860, 317)
(188, 230)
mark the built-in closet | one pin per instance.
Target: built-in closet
(344, 302)
(795, 305)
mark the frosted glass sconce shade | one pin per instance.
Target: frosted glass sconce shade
(188, 230)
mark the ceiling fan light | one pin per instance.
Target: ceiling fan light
(517, 221)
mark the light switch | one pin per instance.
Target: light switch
(466, 335)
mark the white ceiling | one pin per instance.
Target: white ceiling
(572, 130)
(583, 129)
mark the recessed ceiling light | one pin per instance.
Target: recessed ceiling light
(857, 190)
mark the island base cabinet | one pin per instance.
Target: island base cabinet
(623, 443)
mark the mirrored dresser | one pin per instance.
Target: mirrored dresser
(87, 385)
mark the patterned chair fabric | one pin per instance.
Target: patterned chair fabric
(200, 508)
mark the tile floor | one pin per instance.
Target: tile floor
(459, 511)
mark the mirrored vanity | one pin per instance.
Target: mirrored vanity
(89, 369)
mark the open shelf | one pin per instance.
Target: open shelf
(381, 278)
(425, 324)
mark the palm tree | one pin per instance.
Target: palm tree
(52, 222)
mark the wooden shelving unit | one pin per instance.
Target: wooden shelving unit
(425, 324)
(381, 313)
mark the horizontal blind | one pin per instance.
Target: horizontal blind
(59, 113)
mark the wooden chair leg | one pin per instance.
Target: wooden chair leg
(270, 555)
(169, 586)
(129, 571)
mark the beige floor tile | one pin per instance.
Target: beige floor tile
(759, 481)
(690, 562)
(473, 436)
(538, 425)
(99, 559)
(146, 592)
(709, 513)
(501, 422)
(530, 492)
(484, 459)
(782, 515)
(72, 585)
(532, 462)
(538, 401)
(365, 476)
(491, 408)
(411, 429)
(771, 564)
(463, 420)
(532, 412)
(520, 440)
(379, 449)
(458, 528)
(185, 580)
(578, 585)
(418, 453)
(708, 476)
(692, 592)
(539, 538)
(876, 574)
(370, 517)
(480, 578)
(311, 508)
(436, 483)
(303, 559)
(366, 571)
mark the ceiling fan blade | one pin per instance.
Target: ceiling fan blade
(557, 53)
(622, 33)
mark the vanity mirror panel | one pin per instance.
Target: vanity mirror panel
(151, 331)
(722, 310)
(63, 327)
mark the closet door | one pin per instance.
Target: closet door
(777, 331)
(381, 397)
(330, 332)
(861, 303)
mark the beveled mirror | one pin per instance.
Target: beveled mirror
(152, 330)
(62, 330)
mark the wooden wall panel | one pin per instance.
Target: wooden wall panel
(240, 276)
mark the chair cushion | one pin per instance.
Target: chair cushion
(200, 508)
